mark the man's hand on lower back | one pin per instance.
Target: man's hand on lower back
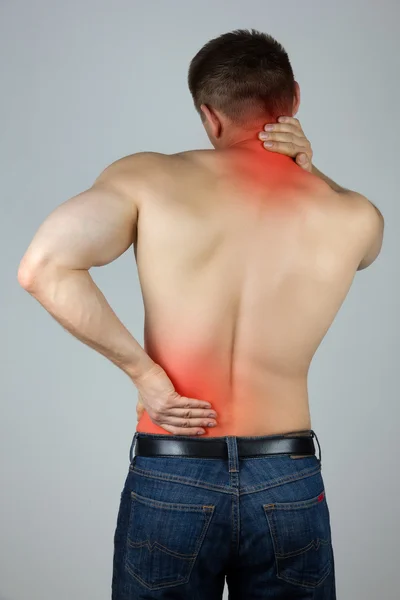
(287, 137)
(167, 409)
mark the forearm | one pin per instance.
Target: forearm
(330, 182)
(75, 301)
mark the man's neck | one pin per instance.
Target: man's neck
(243, 140)
(252, 144)
(246, 141)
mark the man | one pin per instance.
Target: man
(245, 254)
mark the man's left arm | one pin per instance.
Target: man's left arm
(91, 229)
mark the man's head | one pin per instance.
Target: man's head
(240, 81)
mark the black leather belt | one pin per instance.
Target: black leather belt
(289, 443)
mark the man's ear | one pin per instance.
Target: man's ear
(296, 99)
(211, 121)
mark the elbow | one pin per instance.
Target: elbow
(26, 276)
(30, 273)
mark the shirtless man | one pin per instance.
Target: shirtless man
(245, 255)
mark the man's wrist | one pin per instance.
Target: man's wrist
(141, 369)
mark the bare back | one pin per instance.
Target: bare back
(244, 260)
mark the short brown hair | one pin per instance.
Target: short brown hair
(245, 74)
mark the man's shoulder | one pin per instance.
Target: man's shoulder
(134, 171)
(134, 163)
(364, 211)
(146, 175)
(367, 215)
(195, 154)
(141, 163)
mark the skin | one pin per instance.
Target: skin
(245, 254)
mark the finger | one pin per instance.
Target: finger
(289, 138)
(184, 402)
(287, 148)
(284, 127)
(303, 161)
(191, 413)
(188, 423)
(290, 120)
(180, 431)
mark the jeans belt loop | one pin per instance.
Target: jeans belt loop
(319, 447)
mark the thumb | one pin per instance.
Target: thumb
(139, 409)
(301, 159)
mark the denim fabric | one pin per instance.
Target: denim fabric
(186, 524)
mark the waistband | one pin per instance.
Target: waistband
(217, 447)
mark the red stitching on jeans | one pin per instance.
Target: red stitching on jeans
(321, 496)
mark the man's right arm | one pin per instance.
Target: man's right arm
(334, 186)
(287, 137)
(367, 215)
(371, 220)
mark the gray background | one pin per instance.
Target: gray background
(84, 83)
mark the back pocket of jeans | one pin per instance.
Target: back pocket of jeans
(301, 536)
(164, 540)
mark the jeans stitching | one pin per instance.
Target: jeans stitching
(172, 505)
(179, 479)
(280, 481)
(208, 514)
(133, 544)
(306, 585)
(297, 505)
(278, 553)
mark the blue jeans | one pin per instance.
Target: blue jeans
(185, 524)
